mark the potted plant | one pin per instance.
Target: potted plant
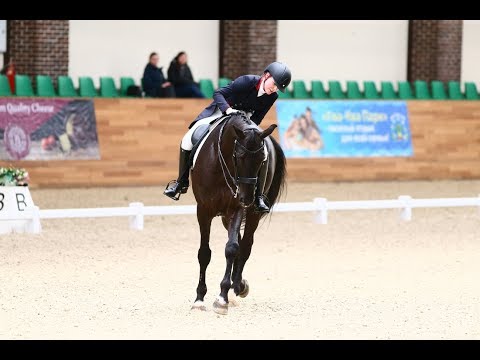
(15, 198)
(10, 176)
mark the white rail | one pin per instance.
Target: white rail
(320, 206)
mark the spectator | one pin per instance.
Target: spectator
(180, 75)
(154, 83)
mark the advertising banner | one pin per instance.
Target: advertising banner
(310, 128)
(47, 129)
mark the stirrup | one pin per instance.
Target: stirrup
(174, 189)
(265, 201)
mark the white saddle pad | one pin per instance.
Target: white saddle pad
(212, 126)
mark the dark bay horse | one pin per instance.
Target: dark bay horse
(223, 182)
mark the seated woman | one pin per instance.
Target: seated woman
(153, 82)
(180, 75)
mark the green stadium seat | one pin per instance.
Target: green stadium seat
(65, 87)
(353, 90)
(335, 90)
(222, 82)
(388, 92)
(45, 86)
(206, 87)
(300, 90)
(318, 91)
(23, 86)
(405, 90)
(471, 92)
(86, 87)
(438, 90)
(370, 90)
(5, 86)
(107, 87)
(125, 82)
(454, 91)
(286, 95)
(421, 90)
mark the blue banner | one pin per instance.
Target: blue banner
(310, 128)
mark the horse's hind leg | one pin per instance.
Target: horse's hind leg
(240, 286)
(204, 255)
(220, 305)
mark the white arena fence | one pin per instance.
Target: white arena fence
(319, 206)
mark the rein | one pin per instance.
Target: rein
(237, 179)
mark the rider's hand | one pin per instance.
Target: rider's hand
(230, 111)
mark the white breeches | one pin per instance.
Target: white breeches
(187, 138)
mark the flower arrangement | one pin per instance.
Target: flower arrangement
(10, 176)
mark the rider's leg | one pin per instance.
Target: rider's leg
(180, 186)
(260, 205)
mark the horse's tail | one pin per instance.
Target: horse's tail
(279, 177)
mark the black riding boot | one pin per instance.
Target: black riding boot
(180, 186)
(260, 205)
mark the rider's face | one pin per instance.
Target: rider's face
(269, 85)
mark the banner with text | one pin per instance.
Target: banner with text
(310, 128)
(47, 129)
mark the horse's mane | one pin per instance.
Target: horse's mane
(242, 120)
(278, 185)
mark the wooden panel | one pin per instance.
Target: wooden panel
(139, 140)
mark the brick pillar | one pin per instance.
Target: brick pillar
(246, 46)
(449, 50)
(38, 47)
(435, 50)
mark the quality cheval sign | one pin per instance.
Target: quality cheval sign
(47, 129)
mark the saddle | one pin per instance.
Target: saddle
(199, 135)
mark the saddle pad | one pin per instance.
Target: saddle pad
(199, 148)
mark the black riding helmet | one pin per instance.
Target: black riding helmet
(280, 73)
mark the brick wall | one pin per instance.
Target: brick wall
(38, 47)
(246, 46)
(435, 50)
(449, 49)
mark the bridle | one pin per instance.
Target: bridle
(237, 180)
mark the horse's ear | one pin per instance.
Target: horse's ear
(240, 133)
(268, 131)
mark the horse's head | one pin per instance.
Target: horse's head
(248, 155)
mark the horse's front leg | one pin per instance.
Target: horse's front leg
(240, 286)
(204, 255)
(220, 305)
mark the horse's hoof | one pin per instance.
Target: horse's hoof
(220, 306)
(199, 305)
(246, 289)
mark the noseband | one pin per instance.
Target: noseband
(237, 179)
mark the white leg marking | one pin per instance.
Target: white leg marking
(221, 300)
(199, 305)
